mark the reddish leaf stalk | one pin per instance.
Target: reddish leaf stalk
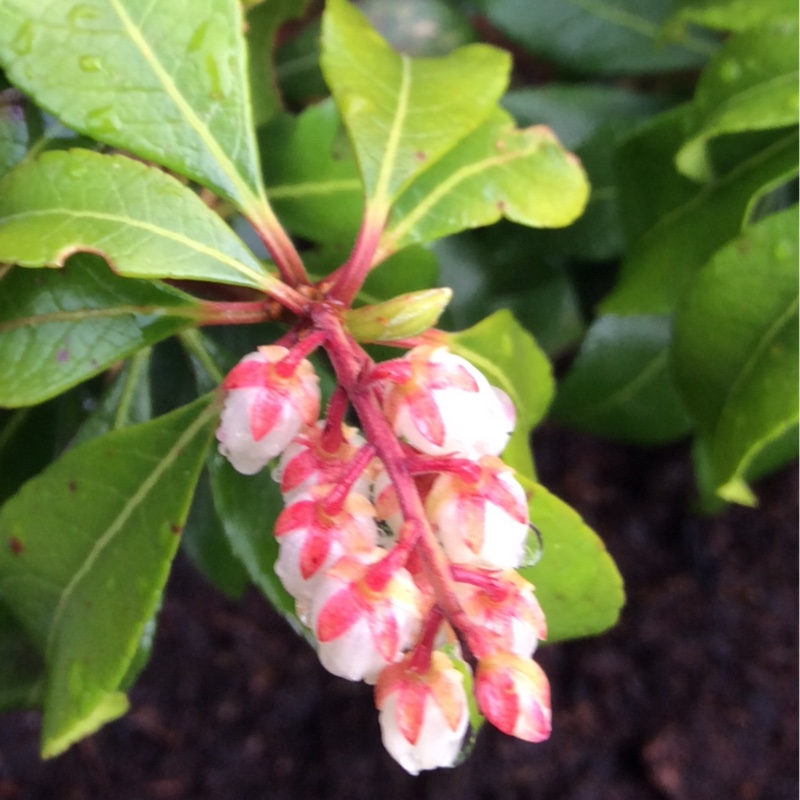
(234, 313)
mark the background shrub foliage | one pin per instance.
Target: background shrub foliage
(156, 138)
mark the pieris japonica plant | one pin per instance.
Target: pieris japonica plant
(222, 327)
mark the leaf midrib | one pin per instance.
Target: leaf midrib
(122, 517)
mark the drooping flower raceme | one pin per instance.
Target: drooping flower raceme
(392, 550)
(265, 407)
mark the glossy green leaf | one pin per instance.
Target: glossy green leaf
(576, 580)
(675, 224)
(13, 130)
(311, 175)
(750, 84)
(85, 596)
(511, 360)
(497, 171)
(248, 506)
(21, 666)
(620, 385)
(263, 22)
(403, 114)
(166, 81)
(735, 15)
(736, 348)
(58, 328)
(142, 220)
(205, 543)
(599, 36)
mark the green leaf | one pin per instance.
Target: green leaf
(60, 328)
(675, 224)
(735, 15)
(577, 582)
(312, 178)
(263, 22)
(599, 36)
(166, 81)
(620, 385)
(403, 114)
(735, 350)
(248, 506)
(750, 84)
(13, 130)
(94, 537)
(205, 543)
(497, 171)
(145, 222)
(21, 666)
(510, 359)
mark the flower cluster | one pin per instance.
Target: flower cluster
(400, 545)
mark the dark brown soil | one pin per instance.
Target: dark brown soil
(692, 697)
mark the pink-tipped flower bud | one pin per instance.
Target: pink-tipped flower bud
(306, 462)
(423, 715)
(362, 629)
(441, 404)
(311, 539)
(505, 612)
(265, 408)
(480, 519)
(514, 695)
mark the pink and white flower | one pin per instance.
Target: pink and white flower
(440, 404)
(514, 694)
(362, 626)
(265, 407)
(423, 714)
(480, 516)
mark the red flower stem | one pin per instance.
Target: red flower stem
(213, 312)
(486, 581)
(350, 363)
(332, 437)
(288, 364)
(334, 502)
(420, 661)
(279, 245)
(348, 279)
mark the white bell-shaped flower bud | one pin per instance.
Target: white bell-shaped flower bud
(441, 404)
(266, 405)
(362, 624)
(423, 714)
(480, 520)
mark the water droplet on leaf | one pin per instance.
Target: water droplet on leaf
(102, 121)
(22, 43)
(730, 70)
(80, 15)
(214, 76)
(197, 38)
(90, 63)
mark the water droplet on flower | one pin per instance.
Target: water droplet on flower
(90, 63)
(79, 15)
(102, 121)
(22, 43)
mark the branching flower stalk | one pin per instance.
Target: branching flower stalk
(399, 542)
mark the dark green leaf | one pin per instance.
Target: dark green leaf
(675, 224)
(145, 222)
(312, 178)
(58, 328)
(21, 666)
(577, 582)
(13, 130)
(750, 84)
(620, 385)
(510, 359)
(600, 36)
(403, 114)
(85, 596)
(735, 351)
(166, 81)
